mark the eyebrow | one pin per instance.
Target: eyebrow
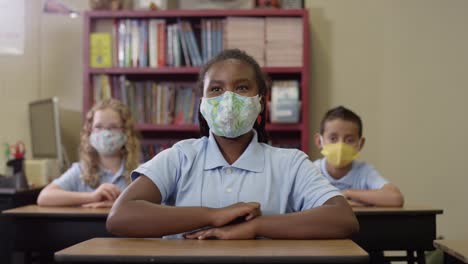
(235, 81)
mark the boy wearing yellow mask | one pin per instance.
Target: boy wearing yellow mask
(340, 140)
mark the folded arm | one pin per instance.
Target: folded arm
(335, 219)
(388, 195)
(138, 213)
(54, 195)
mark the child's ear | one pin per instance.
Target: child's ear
(317, 141)
(363, 141)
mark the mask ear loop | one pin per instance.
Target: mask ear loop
(321, 141)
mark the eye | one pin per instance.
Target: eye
(242, 88)
(351, 140)
(333, 139)
(215, 88)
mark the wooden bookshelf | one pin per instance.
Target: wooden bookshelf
(297, 132)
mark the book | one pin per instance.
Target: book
(183, 43)
(100, 50)
(162, 43)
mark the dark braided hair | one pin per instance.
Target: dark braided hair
(262, 85)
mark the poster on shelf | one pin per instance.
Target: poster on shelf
(11, 27)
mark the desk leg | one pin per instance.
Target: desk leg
(377, 257)
(410, 256)
(421, 257)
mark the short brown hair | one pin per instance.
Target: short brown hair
(343, 113)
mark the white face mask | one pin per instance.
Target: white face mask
(107, 142)
(230, 115)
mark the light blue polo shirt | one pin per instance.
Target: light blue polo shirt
(362, 176)
(194, 173)
(71, 179)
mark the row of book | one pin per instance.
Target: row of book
(159, 103)
(157, 43)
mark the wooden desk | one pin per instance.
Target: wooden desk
(388, 228)
(54, 228)
(11, 198)
(131, 250)
(455, 251)
(46, 230)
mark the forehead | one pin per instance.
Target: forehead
(106, 116)
(341, 127)
(229, 70)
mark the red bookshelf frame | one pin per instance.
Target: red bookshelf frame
(303, 72)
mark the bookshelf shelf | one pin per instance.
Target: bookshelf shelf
(197, 13)
(142, 76)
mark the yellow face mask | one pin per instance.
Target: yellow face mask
(339, 154)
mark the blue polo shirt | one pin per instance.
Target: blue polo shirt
(194, 173)
(71, 179)
(362, 176)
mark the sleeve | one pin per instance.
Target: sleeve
(310, 188)
(70, 180)
(373, 179)
(163, 170)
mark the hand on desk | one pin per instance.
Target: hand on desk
(228, 214)
(231, 222)
(102, 204)
(243, 230)
(352, 203)
(106, 191)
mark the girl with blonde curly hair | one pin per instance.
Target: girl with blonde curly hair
(109, 151)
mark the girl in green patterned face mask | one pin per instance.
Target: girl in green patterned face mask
(234, 91)
(229, 184)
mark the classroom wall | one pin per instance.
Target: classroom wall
(402, 65)
(50, 66)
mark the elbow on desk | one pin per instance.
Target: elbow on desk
(115, 224)
(399, 200)
(350, 226)
(120, 223)
(42, 200)
(396, 199)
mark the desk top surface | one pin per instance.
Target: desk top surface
(35, 210)
(410, 209)
(163, 250)
(455, 248)
(10, 191)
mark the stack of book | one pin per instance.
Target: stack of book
(248, 34)
(284, 42)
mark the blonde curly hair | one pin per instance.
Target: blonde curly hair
(89, 157)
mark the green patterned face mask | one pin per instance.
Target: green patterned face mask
(230, 115)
